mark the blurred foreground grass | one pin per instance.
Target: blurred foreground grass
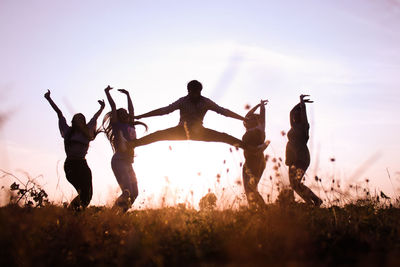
(293, 235)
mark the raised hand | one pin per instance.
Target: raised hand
(303, 100)
(108, 88)
(102, 104)
(264, 102)
(47, 94)
(123, 91)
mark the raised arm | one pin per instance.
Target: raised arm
(303, 102)
(53, 105)
(262, 113)
(112, 103)
(251, 111)
(130, 105)
(292, 114)
(97, 114)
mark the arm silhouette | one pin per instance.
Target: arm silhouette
(97, 114)
(303, 112)
(53, 105)
(303, 102)
(112, 104)
(262, 113)
(224, 111)
(130, 105)
(161, 111)
(261, 105)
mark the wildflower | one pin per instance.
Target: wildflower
(384, 196)
(14, 186)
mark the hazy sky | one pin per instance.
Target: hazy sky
(345, 54)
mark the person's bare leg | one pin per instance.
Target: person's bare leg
(295, 176)
(250, 183)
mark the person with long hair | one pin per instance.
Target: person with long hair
(255, 162)
(76, 143)
(297, 153)
(119, 127)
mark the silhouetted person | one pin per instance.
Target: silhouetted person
(297, 154)
(255, 162)
(76, 144)
(193, 108)
(119, 126)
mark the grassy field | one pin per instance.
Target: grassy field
(284, 235)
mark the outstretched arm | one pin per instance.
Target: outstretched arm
(223, 111)
(161, 111)
(53, 105)
(130, 105)
(232, 114)
(112, 104)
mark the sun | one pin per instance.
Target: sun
(184, 171)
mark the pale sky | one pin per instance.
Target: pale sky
(344, 54)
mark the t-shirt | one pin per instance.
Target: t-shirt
(123, 133)
(77, 144)
(193, 112)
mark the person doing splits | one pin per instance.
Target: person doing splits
(193, 108)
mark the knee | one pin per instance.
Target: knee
(86, 197)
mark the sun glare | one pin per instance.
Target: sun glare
(184, 171)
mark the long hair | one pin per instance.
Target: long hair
(107, 127)
(83, 129)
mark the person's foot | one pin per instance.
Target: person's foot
(317, 202)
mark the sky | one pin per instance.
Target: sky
(343, 54)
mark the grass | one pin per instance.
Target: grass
(292, 235)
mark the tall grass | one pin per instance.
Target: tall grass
(294, 235)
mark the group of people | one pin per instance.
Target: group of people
(119, 127)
